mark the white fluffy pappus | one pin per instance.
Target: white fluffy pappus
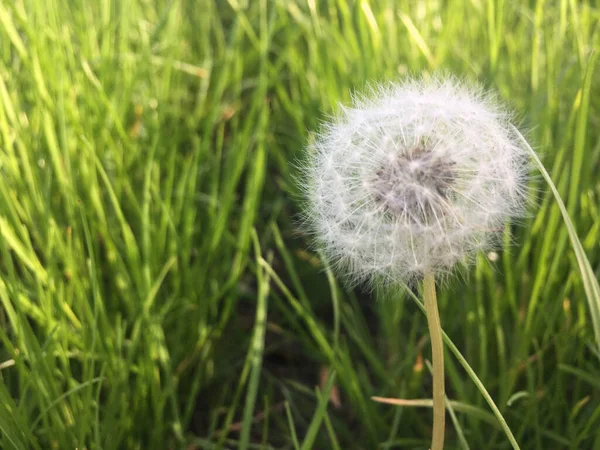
(413, 179)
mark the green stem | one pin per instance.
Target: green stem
(437, 352)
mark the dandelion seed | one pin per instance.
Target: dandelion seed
(412, 180)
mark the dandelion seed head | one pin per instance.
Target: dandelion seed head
(413, 179)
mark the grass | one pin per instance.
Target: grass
(154, 291)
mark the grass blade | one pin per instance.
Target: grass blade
(318, 418)
(257, 348)
(590, 283)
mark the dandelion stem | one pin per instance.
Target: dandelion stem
(437, 352)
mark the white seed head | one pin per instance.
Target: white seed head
(413, 179)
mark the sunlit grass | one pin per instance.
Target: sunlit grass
(154, 290)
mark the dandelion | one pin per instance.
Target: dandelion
(410, 181)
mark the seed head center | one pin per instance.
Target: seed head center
(414, 184)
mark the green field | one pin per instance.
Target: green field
(155, 292)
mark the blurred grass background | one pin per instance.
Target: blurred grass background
(154, 290)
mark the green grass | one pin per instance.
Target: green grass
(154, 290)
